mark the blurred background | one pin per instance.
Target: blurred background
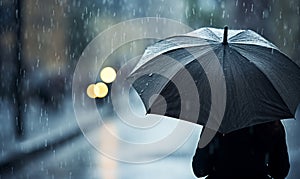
(40, 45)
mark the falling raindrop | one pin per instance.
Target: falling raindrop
(280, 14)
(45, 142)
(122, 91)
(284, 41)
(37, 63)
(25, 108)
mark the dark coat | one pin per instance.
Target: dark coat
(255, 152)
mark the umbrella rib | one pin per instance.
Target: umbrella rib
(211, 32)
(148, 57)
(191, 36)
(236, 45)
(258, 38)
(196, 55)
(236, 35)
(265, 77)
(246, 82)
(195, 36)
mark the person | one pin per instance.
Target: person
(256, 152)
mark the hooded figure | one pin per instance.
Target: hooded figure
(256, 152)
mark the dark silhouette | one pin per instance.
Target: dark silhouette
(256, 152)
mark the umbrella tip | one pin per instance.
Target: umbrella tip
(225, 35)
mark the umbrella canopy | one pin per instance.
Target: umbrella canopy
(240, 76)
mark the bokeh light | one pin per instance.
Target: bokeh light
(108, 74)
(90, 91)
(101, 90)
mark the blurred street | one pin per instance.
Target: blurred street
(66, 153)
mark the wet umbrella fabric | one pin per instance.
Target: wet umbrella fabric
(261, 83)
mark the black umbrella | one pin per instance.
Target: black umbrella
(224, 79)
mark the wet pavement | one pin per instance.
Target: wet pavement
(55, 147)
(77, 158)
(60, 150)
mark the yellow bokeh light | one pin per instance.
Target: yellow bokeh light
(90, 91)
(108, 74)
(100, 90)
